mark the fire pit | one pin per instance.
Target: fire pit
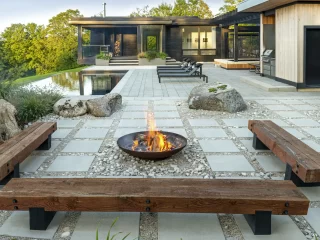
(152, 145)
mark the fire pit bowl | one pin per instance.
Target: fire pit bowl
(125, 143)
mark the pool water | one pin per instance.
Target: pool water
(69, 83)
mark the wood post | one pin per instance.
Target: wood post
(235, 43)
(257, 144)
(80, 53)
(46, 145)
(260, 223)
(40, 219)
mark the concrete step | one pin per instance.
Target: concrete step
(124, 64)
(268, 85)
(124, 61)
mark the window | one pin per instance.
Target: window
(199, 41)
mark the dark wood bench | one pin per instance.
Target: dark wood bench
(302, 162)
(17, 149)
(257, 199)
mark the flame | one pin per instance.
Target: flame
(155, 140)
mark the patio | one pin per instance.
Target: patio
(219, 146)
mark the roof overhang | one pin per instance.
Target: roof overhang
(93, 22)
(235, 17)
(265, 5)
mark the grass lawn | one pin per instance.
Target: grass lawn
(25, 80)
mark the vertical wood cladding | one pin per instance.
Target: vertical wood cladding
(174, 42)
(129, 45)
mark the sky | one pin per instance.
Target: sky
(40, 11)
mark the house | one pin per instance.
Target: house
(198, 39)
(290, 29)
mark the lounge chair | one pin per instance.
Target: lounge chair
(181, 70)
(184, 64)
(194, 73)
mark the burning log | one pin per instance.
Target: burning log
(153, 141)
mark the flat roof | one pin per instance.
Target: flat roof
(234, 17)
(180, 21)
(265, 5)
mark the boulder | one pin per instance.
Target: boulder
(105, 106)
(8, 123)
(68, 107)
(216, 97)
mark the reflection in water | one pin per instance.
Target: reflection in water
(69, 83)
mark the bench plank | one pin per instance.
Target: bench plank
(17, 138)
(304, 160)
(165, 195)
(23, 145)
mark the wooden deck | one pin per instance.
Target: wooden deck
(231, 65)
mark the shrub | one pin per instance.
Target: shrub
(33, 103)
(162, 55)
(103, 56)
(5, 88)
(151, 55)
(142, 55)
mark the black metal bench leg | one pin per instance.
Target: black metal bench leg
(14, 174)
(291, 176)
(260, 222)
(40, 219)
(46, 145)
(257, 144)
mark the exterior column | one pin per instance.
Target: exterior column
(80, 55)
(139, 47)
(235, 43)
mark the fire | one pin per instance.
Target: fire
(154, 140)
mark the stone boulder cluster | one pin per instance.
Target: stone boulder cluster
(8, 123)
(99, 107)
(216, 97)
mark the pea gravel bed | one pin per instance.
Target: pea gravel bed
(110, 161)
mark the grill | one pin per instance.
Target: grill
(269, 62)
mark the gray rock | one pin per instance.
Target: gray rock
(8, 123)
(68, 107)
(105, 106)
(221, 98)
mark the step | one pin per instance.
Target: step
(268, 85)
(123, 64)
(123, 61)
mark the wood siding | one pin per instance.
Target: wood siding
(308, 15)
(290, 23)
(129, 45)
(287, 43)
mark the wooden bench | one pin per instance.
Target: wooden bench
(302, 162)
(257, 199)
(17, 149)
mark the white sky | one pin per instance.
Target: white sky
(40, 11)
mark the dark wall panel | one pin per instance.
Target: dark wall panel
(174, 43)
(97, 37)
(129, 45)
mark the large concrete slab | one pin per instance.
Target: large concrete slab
(133, 123)
(234, 163)
(124, 131)
(89, 222)
(312, 193)
(62, 132)
(203, 123)
(100, 123)
(218, 146)
(271, 163)
(236, 122)
(210, 133)
(83, 146)
(313, 218)
(32, 163)
(189, 227)
(93, 133)
(305, 122)
(169, 123)
(17, 225)
(71, 164)
(282, 228)
(248, 145)
(67, 123)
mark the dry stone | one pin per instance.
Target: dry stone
(216, 97)
(8, 123)
(68, 107)
(105, 106)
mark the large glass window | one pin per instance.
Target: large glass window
(199, 41)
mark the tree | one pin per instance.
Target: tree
(196, 8)
(229, 5)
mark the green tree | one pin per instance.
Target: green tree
(229, 5)
(62, 41)
(180, 8)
